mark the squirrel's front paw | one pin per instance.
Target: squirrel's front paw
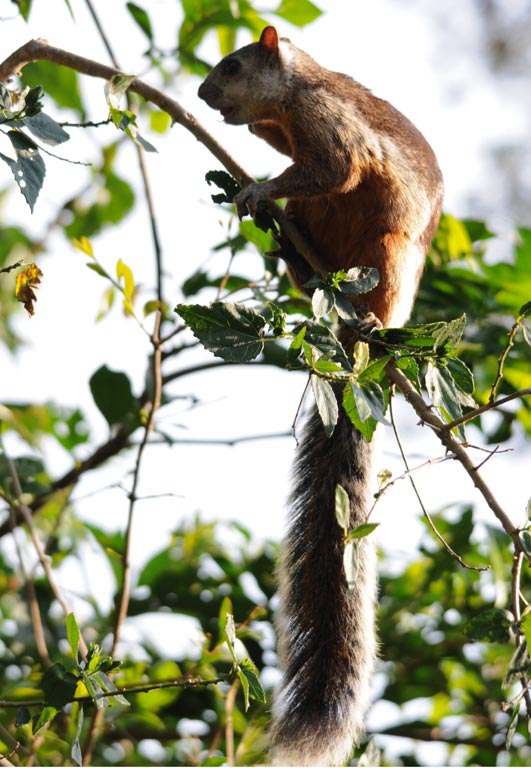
(248, 198)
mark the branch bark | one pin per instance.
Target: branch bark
(41, 50)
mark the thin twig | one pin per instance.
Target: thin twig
(503, 357)
(425, 512)
(428, 417)
(487, 407)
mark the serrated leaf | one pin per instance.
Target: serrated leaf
(364, 406)
(233, 332)
(28, 169)
(463, 379)
(342, 507)
(325, 341)
(351, 563)
(360, 280)
(452, 331)
(443, 391)
(46, 129)
(73, 634)
(326, 403)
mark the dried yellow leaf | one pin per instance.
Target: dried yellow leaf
(26, 284)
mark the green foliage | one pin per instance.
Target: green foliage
(447, 633)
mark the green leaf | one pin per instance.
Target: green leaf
(75, 751)
(492, 626)
(28, 169)
(463, 379)
(59, 686)
(326, 403)
(59, 83)
(525, 540)
(113, 395)
(24, 7)
(322, 302)
(224, 181)
(452, 331)
(250, 680)
(363, 530)
(46, 129)
(351, 563)
(443, 391)
(23, 716)
(518, 666)
(342, 508)
(73, 634)
(233, 332)
(326, 342)
(525, 623)
(361, 357)
(298, 12)
(46, 715)
(230, 636)
(142, 19)
(452, 237)
(116, 87)
(365, 406)
(359, 280)
(511, 729)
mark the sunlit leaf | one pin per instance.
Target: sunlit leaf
(326, 401)
(233, 332)
(342, 507)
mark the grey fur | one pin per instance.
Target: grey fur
(326, 633)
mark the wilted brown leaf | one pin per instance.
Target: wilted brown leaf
(27, 283)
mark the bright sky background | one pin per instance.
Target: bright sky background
(395, 48)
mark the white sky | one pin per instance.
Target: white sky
(389, 46)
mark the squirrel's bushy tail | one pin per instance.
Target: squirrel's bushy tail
(326, 633)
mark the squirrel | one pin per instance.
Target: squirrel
(366, 190)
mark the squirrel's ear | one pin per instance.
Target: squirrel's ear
(269, 39)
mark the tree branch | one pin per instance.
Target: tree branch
(427, 415)
(40, 50)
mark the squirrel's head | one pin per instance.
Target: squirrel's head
(246, 84)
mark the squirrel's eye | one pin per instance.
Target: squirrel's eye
(231, 67)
